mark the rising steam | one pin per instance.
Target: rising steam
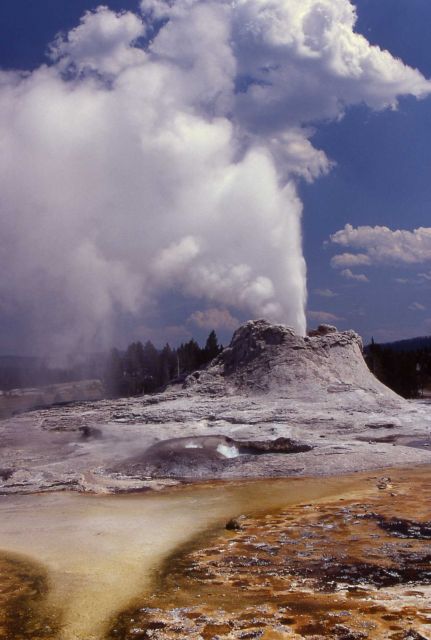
(161, 151)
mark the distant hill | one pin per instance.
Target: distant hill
(20, 371)
(28, 371)
(20, 400)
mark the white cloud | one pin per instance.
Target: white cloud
(417, 306)
(349, 275)
(126, 172)
(380, 245)
(323, 316)
(419, 281)
(103, 42)
(214, 318)
(350, 260)
(309, 64)
(325, 293)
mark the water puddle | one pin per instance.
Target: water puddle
(71, 563)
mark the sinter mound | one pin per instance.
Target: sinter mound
(270, 358)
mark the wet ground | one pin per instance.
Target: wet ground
(345, 558)
(23, 589)
(91, 556)
(345, 569)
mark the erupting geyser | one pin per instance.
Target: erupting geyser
(162, 149)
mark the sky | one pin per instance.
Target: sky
(167, 170)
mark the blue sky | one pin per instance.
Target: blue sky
(380, 177)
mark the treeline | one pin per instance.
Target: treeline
(145, 369)
(408, 373)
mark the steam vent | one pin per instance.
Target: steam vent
(271, 404)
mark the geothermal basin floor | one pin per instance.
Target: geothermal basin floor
(311, 559)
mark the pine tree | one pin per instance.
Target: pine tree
(212, 347)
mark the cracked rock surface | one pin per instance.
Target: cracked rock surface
(269, 384)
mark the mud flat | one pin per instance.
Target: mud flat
(151, 565)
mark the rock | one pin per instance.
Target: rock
(279, 445)
(384, 483)
(344, 633)
(201, 455)
(381, 425)
(413, 635)
(323, 330)
(90, 432)
(236, 524)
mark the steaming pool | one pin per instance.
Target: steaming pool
(71, 563)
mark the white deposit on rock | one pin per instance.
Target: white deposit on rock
(272, 404)
(271, 359)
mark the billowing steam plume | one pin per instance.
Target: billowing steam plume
(161, 150)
